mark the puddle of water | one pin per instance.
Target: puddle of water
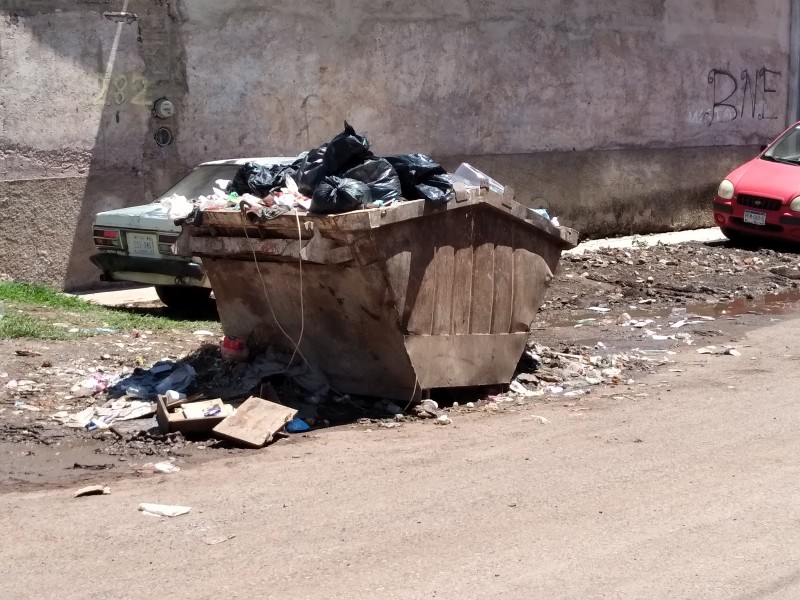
(780, 303)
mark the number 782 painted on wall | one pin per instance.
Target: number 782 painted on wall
(132, 88)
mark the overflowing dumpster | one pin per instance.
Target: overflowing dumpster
(386, 301)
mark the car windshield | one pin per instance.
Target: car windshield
(201, 181)
(786, 149)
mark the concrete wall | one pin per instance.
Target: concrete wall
(77, 128)
(619, 116)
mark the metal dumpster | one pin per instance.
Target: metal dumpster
(394, 300)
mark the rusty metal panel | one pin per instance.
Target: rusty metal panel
(465, 360)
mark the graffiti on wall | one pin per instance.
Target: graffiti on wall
(751, 95)
(129, 88)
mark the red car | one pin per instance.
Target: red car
(762, 197)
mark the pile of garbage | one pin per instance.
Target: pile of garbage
(339, 176)
(575, 372)
(204, 396)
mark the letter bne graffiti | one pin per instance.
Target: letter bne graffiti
(744, 98)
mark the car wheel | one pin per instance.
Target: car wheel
(184, 298)
(735, 236)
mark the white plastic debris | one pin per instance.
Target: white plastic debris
(163, 510)
(600, 309)
(430, 405)
(177, 207)
(443, 420)
(166, 467)
(538, 419)
(520, 389)
(92, 490)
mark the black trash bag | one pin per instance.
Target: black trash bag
(380, 176)
(310, 170)
(282, 173)
(422, 178)
(437, 189)
(338, 195)
(252, 178)
(345, 151)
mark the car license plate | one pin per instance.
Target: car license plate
(141, 244)
(755, 218)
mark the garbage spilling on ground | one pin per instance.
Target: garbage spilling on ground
(340, 176)
(251, 404)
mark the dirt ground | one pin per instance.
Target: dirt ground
(683, 487)
(589, 310)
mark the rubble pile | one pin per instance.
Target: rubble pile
(666, 275)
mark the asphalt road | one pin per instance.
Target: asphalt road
(691, 492)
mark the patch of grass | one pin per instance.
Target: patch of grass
(38, 312)
(40, 295)
(16, 326)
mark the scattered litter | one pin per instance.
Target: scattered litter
(255, 422)
(27, 353)
(555, 389)
(191, 418)
(707, 350)
(92, 490)
(161, 368)
(536, 419)
(520, 389)
(732, 352)
(430, 405)
(469, 405)
(203, 333)
(213, 541)
(299, 426)
(163, 510)
(599, 309)
(100, 417)
(164, 467)
(89, 387)
(443, 420)
(179, 380)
